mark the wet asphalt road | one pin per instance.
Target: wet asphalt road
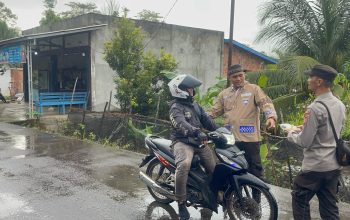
(13, 111)
(43, 176)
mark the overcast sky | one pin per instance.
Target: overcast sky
(207, 14)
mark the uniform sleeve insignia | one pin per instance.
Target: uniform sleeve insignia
(246, 129)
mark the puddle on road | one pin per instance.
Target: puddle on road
(42, 143)
(48, 145)
(10, 205)
(20, 142)
(2, 133)
(123, 178)
(59, 149)
(19, 157)
(6, 139)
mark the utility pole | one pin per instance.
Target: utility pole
(230, 47)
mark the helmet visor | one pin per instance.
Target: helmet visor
(189, 82)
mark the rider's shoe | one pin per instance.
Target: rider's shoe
(206, 214)
(220, 197)
(183, 212)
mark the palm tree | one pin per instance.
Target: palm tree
(315, 28)
(295, 66)
(286, 83)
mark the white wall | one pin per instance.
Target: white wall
(102, 75)
(5, 82)
(198, 51)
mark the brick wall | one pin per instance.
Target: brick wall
(247, 60)
(16, 81)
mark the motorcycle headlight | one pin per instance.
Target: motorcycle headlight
(230, 139)
(225, 159)
(228, 161)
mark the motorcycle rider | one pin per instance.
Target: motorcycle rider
(188, 118)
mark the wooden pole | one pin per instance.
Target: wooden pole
(101, 124)
(71, 100)
(109, 103)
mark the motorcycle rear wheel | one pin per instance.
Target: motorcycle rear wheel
(249, 208)
(157, 172)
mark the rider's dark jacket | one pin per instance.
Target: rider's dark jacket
(187, 119)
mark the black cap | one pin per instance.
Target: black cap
(323, 71)
(236, 68)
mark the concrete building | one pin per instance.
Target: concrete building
(73, 49)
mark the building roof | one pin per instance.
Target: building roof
(50, 34)
(251, 51)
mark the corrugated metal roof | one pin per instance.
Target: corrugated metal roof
(252, 51)
(51, 34)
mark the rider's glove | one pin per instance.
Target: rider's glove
(202, 137)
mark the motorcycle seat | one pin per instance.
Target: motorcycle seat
(163, 145)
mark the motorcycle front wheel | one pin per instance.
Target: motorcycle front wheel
(163, 177)
(256, 203)
(157, 210)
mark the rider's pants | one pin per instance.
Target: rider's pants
(183, 159)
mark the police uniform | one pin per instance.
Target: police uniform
(241, 111)
(320, 169)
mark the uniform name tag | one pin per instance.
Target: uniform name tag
(247, 94)
(246, 129)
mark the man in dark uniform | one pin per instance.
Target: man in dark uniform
(188, 118)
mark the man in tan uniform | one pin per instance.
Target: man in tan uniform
(240, 105)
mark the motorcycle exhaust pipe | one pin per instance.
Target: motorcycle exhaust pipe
(150, 183)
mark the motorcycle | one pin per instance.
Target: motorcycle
(240, 193)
